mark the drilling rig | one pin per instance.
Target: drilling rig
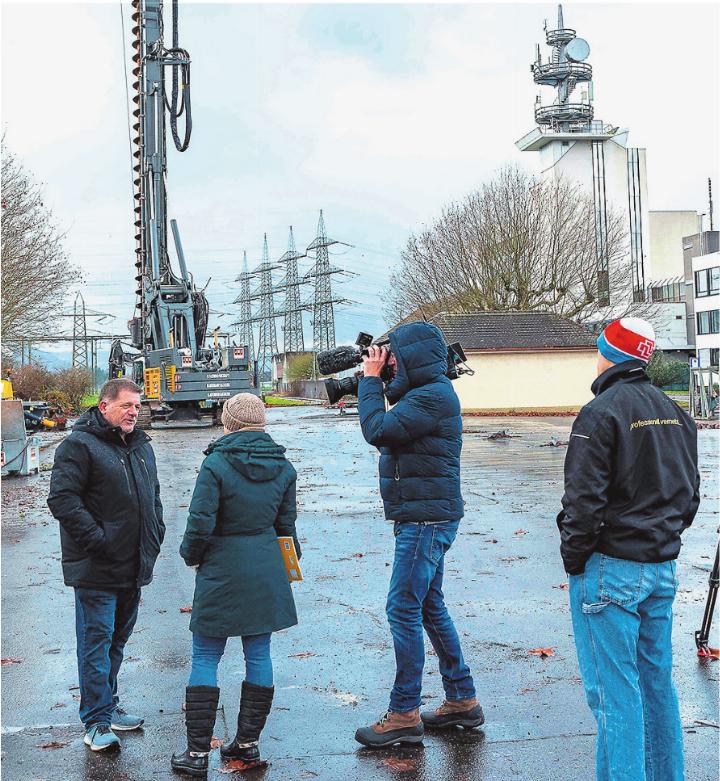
(183, 382)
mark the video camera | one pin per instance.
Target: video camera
(346, 357)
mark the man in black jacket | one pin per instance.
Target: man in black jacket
(105, 494)
(631, 489)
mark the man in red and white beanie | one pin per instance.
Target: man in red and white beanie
(631, 488)
(627, 339)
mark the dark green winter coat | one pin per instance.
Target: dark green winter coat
(244, 499)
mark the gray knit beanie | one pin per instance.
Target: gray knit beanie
(243, 411)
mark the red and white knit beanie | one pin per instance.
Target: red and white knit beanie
(627, 339)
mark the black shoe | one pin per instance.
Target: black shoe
(190, 765)
(200, 710)
(442, 719)
(245, 752)
(255, 704)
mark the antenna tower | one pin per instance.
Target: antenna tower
(565, 69)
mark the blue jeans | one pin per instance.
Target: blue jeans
(415, 600)
(207, 653)
(104, 621)
(622, 619)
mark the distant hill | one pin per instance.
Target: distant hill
(62, 359)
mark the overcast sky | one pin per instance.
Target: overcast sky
(378, 114)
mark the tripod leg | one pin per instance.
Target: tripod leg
(702, 636)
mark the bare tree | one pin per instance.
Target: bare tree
(36, 272)
(517, 244)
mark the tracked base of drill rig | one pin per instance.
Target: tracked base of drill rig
(171, 423)
(159, 416)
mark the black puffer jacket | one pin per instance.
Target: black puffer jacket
(105, 493)
(631, 475)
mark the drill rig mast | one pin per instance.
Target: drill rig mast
(183, 381)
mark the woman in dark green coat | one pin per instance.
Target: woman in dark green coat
(244, 499)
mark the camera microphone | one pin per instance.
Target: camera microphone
(339, 359)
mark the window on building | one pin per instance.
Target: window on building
(714, 280)
(701, 286)
(707, 282)
(672, 292)
(714, 356)
(708, 322)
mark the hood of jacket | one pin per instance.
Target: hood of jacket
(421, 355)
(92, 421)
(253, 454)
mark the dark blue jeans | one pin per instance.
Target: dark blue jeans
(104, 621)
(622, 619)
(415, 600)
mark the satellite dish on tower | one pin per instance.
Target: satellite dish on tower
(577, 50)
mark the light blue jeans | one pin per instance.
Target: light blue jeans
(207, 653)
(622, 619)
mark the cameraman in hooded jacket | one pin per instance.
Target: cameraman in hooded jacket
(419, 440)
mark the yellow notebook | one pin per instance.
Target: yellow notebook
(287, 548)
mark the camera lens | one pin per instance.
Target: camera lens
(336, 389)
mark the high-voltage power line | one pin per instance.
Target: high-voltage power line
(323, 319)
(320, 302)
(293, 338)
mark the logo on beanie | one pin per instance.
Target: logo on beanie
(627, 339)
(645, 349)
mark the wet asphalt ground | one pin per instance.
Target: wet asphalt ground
(333, 672)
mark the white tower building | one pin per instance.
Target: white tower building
(576, 146)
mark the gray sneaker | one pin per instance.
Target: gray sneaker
(101, 738)
(124, 722)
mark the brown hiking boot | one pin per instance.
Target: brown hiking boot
(463, 713)
(392, 728)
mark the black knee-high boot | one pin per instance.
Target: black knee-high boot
(255, 704)
(201, 704)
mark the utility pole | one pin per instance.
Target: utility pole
(293, 339)
(80, 338)
(321, 304)
(79, 344)
(267, 338)
(245, 333)
(323, 321)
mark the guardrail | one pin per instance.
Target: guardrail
(581, 71)
(564, 112)
(563, 35)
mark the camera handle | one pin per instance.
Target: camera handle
(702, 636)
(466, 370)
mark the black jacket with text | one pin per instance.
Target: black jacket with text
(105, 493)
(631, 475)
